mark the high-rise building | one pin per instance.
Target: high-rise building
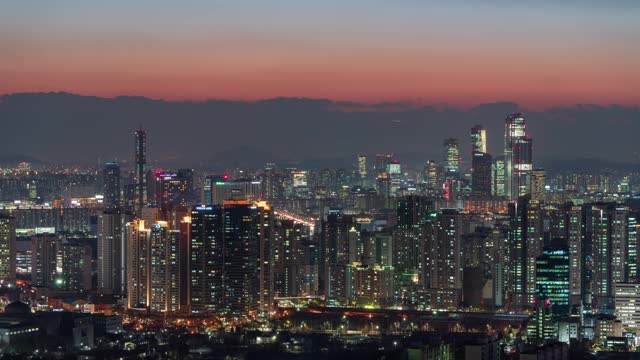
(552, 279)
(110, 243)
(362, 169)
(526, 244)
(481, 180)
(173, 188)
(206, 261)
(7, 247)
(478, 139)
(153, 266)
(240, 254)
(265, 261)
(498, 179)
(431, 174)
(537, 184)
(413, 210)
(627, 298)
(446, 253)
(575, 240)
(340, 237)
(452, 158)
(140, 174)
(223, 189)
(44, 260)
(73, 266)
(518, 156)
(111, 185)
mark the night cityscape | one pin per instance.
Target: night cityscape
(207, 181)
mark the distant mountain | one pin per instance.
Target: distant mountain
(67, 127)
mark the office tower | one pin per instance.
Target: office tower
(7, 247)
(627, 298)
(111, 185)
(431, 174)
(187, 186)
(221, 189)
(44, 256)
(478, 139)
(382, 160)
(481, 164)
(518, 156)
(110, 252)
(413, 210)
(538, 184)
(140, 174)
(362, 169)
(173, 188)
(240, 253)
(522, 166)
(575, 240)
(185, 262)
(632, 248)
(498, 178)
(526, 243)
(452, 158)
(206, 261)
(552, 279)
(73, 266)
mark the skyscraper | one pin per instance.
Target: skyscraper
(518, 156)
(481, 180)
(110, 252)
(526, 244)
(140, 175)
(44, 257)
(452, 158)
(7, 247)
(552, 279)
(111, 185)
(538, 184)
(362, 169)
(206, 262)
(478, 139)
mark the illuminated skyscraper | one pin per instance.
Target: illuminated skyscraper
(452, 158)
(481, 164)
(140, 179)
(575, 240)
(478, 139)
(110, 252)
(552, 279)
(526, 244)
(240, 254)
(206, 261)
(44, 260)
(7, 247)
(153, 266)
(431, 174)
(538, 184)
(111, 185)
(362, 169)
(498, 180)
(518, 156)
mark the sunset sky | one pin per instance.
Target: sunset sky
(538, 53)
